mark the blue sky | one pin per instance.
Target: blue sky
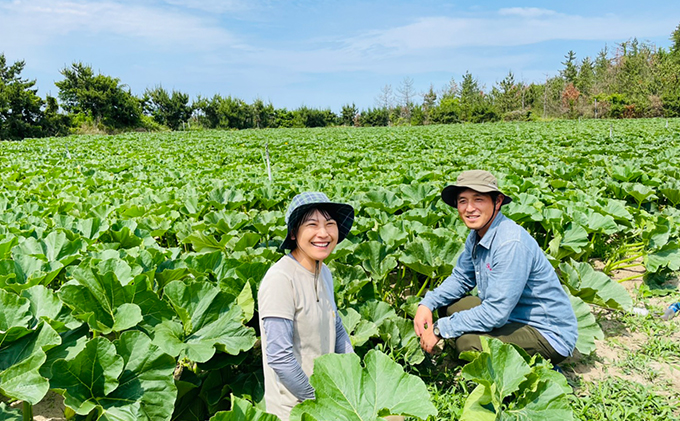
(322, 53)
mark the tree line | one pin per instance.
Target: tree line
(635, 79)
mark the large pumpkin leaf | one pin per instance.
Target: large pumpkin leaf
(383, 199)
(146, 388)
(346, 390)
(512, 389)
(501, 369)
(476, 407)
(101, 301)
(593, 286)
(128, 380)
(45, 304)
(572, 242)
(546, 402)
(25, 271)
(399, 334)
(91, 375)
(360, 330)
(431, 255)
(21, 360)
(375, 259)
(588, 329)
(667, 256)
(55, 247)
(210, 320)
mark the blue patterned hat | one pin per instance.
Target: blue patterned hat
(342, 213)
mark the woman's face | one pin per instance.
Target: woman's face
(316, 238)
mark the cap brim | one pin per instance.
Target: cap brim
(450, 193)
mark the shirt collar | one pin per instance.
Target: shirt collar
(491, 232)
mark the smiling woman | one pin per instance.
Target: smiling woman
(299, 320)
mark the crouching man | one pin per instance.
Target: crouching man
(520, 299)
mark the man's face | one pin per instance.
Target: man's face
(476, 209)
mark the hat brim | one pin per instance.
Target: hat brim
(450, 193)
(342, 214)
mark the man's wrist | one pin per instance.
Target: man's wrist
(435, 330)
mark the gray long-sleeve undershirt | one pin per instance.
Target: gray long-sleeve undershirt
(280, 356)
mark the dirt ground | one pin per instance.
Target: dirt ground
(620, 342)
(51, 408)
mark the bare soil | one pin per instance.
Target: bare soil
(609, 359)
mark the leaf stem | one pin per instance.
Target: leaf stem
(27, 411)
(630, 278)
(422, 288)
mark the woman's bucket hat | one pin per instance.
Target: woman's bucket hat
(342, 213)
(477, 180)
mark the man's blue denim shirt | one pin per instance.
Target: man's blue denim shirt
(515, 282)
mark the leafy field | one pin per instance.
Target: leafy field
(129, 266)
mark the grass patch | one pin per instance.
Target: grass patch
(619, 399)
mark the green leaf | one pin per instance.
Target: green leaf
(375, 259)
(246, 301)
(146, 388)
(210, 320)
(626, 172)
(101, 301)
(383, 199)
(667, 256)
(21, 360)
(91, 375)
(204, 243)
(431, 255)
(26, 271)
(594, 287)
(6, 245)
(226, 197)
(604, 224)
(510, 389)
(639, 192)
(72, 342)
(419, 193)
(588, 329)
(242, 410)
(346, 390)
(376, 311)
(91, 228)
(572, 241)
(477, 406)
(54, 248)
(546, 402)
(360, 330)
(656, 233)
(45, 304)
(16, 319)
(263, 222)
(392, 235)
(671, 191)
(9, 414)
(502, 369)
(399, 334)
(128, 380)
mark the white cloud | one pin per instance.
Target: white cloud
(511, 27)
(41, 23)
(527, 12)
(214, 6)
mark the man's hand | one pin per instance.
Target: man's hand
(428, 340)
(422, 321)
